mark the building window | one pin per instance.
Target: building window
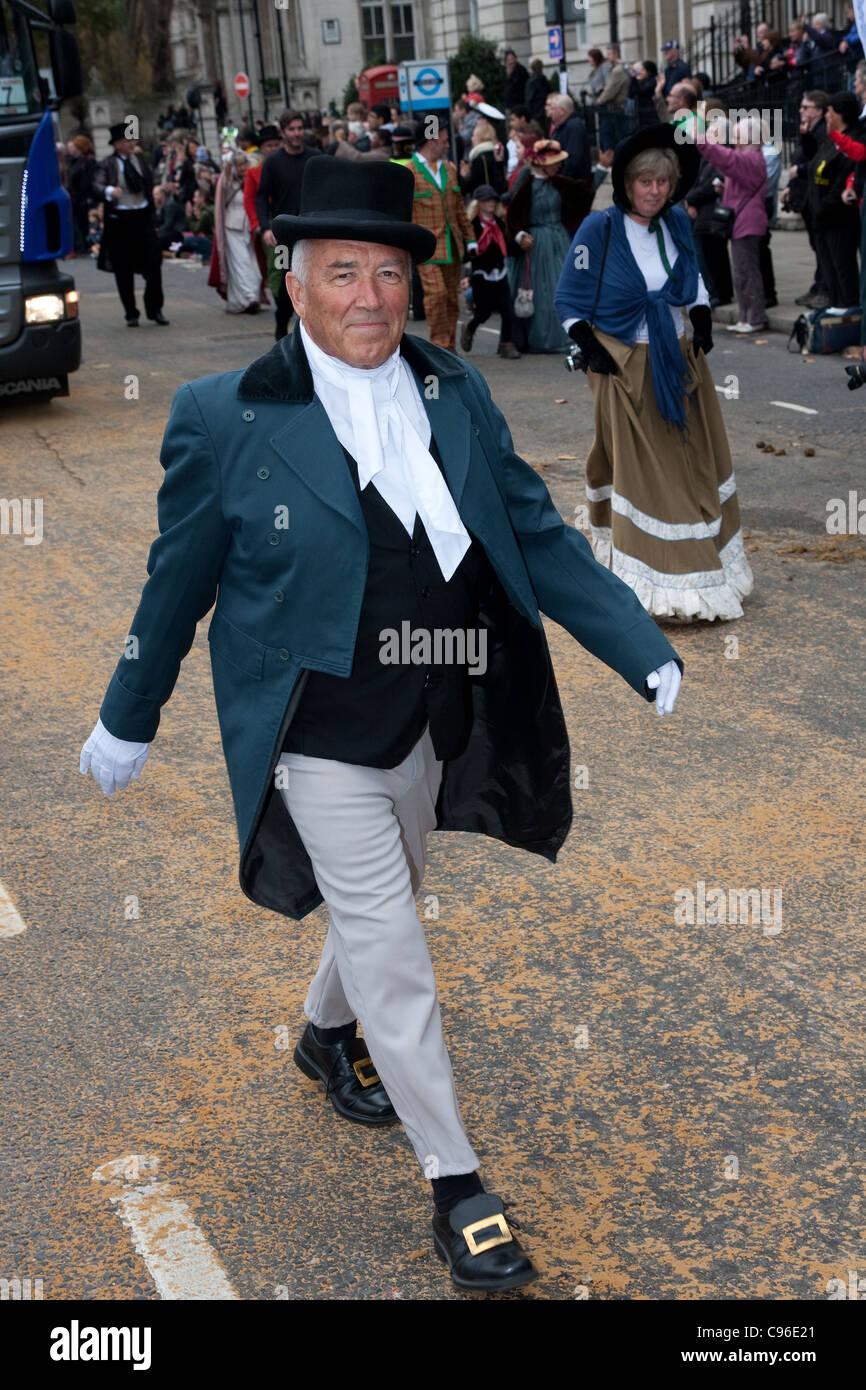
(374, 33)
(404, 33)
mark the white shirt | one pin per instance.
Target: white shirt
(388, 436)
(645, 249)
(127, 202)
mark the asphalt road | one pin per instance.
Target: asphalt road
(675, 1111)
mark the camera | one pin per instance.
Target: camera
(857, 374)
(575, 360)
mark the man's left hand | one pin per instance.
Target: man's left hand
(666, 682)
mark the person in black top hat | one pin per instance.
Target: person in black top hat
(129, 245)
(408, 520)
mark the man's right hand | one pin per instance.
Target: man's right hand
(268, 238)
(114, 762)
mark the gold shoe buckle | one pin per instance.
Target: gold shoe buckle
(365, 1080)
(476, 1247)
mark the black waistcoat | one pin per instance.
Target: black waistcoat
(376, 714)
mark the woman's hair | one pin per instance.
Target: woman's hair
(472, 209)
(750, 130)
(536, 66)
(650, 68)
(655, 161)
(596, 55)
(484, 130)
(82, 144)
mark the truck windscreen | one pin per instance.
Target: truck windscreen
(20, 93)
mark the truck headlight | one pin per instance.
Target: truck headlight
(44, 308)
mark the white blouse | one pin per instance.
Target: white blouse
(645, 249)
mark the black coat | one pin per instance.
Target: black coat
(801, 155)
(483, 168)
(828, 173)
(515, 87)
(572, 137)
(705, 197)
(535, 95)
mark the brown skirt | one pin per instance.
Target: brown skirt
(663, 507)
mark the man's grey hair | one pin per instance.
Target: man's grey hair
(563, 101)
(301, 259)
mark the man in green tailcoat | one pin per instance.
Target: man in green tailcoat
(379, 662)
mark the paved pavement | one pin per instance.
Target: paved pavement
(675, 1111)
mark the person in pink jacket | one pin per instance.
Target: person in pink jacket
(745, 190)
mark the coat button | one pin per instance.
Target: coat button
(414, 550)
(273, 538)
(284, 655)
(278, 596)
(249, 415)
(263, 473)
(425, 592)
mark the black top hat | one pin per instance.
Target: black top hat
(117, 132)
(356, 201)
(662, 137)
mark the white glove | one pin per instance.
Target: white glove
(114, 762)
(666, 680)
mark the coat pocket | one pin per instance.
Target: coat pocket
(236, 647)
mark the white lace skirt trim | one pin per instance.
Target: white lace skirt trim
(706, 594)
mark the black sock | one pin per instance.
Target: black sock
(327, 1036)
(447, 1192)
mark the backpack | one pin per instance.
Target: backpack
(820, 332)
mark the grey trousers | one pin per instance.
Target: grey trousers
(365, 831)
(748, 285)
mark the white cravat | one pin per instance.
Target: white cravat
(377, 414)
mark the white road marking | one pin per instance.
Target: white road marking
(11, 922)
(181, 1262)
(803, 409)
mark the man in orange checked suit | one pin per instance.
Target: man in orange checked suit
(438, 205)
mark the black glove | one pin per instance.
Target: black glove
(702, 322)
(595, 354)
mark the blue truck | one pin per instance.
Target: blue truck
(40, 333)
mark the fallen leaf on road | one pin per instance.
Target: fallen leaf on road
(559, 400)
(571, 457)
(809, 451)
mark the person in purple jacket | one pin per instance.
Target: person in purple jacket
(745, 191)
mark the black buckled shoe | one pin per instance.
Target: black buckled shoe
(473, 1239)
(349, 1078)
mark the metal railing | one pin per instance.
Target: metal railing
(711, 49)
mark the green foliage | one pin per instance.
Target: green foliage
(478, 56)
(350, 93)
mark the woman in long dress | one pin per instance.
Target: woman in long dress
(235, 270)
(663, 506)
(544, 212)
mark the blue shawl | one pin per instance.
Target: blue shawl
(624, 299)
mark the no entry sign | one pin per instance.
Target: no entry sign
(242, 85)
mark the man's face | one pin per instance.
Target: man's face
(517, 125)
(611, 55)
(833, 119)
(510, 62)
(437, 148)
(268, 147)
(761, 32)
(355, 302)
(674, 99)
(374, 120)
(796, 33)
(293, 136)
(552, 110)
(158, 195)
(671, 56)
(123, 148)
(809, 114)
